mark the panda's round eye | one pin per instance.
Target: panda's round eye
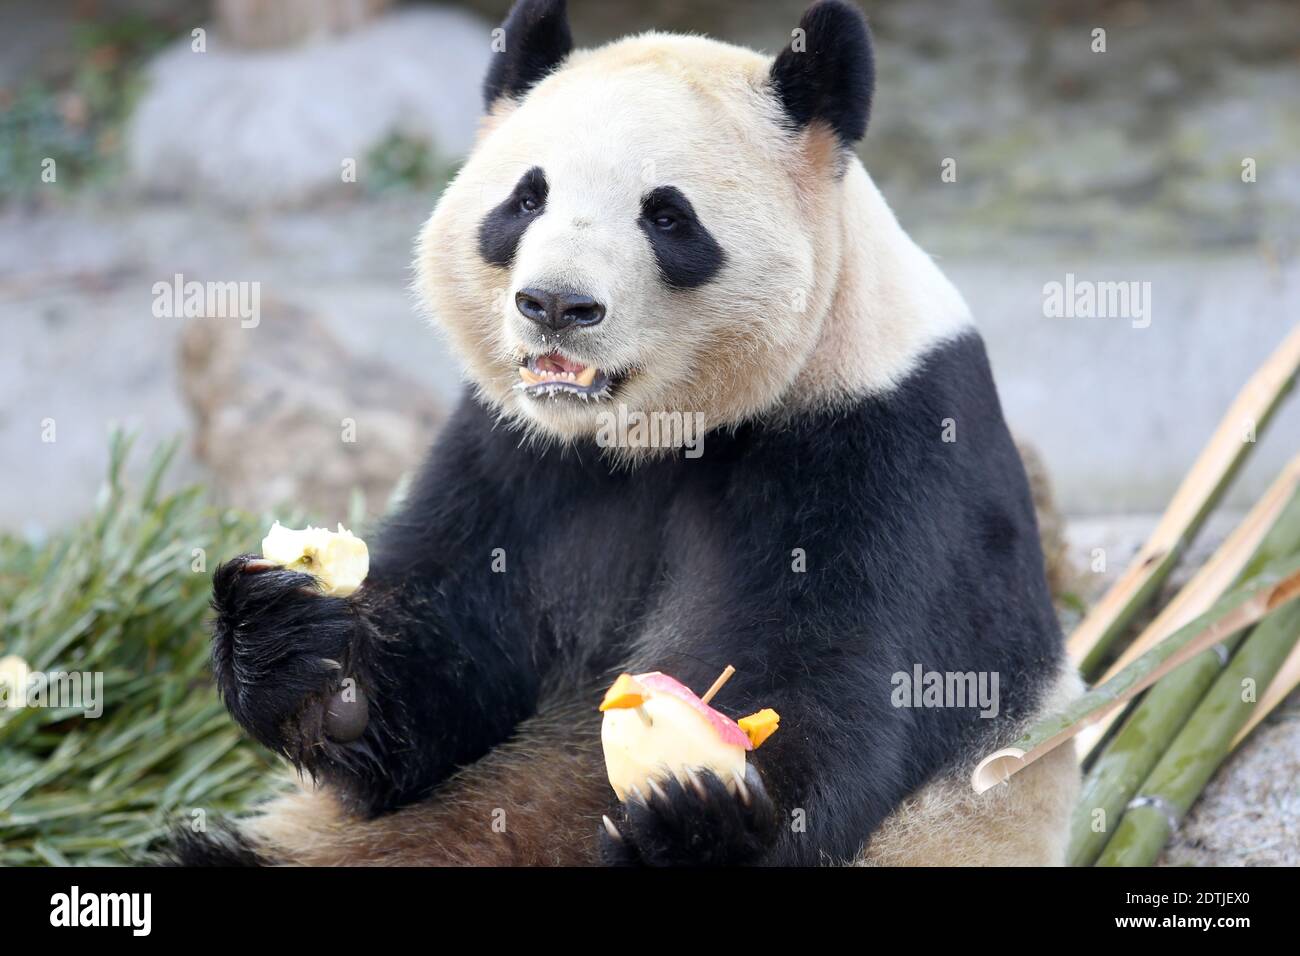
(665, 221)
(529, 203)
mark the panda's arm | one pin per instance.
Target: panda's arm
(428, 666)
(444, 651)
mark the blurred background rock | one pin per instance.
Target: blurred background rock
(276, 421)
(226, 165)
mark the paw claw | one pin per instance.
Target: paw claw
(696, 783)
(742, 789)
(611, 829)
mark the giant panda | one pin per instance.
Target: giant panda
(670, 224)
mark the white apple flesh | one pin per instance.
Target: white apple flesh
(671, 731)
(339, 560)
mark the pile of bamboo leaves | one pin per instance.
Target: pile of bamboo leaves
(1169, 703)
(124, 594)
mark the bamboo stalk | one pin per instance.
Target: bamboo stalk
(1221, 570)
(1273, 588)
(1126, 761)
(1224, 569)
(1287, 680)
(1201, 746)
(1097, 635)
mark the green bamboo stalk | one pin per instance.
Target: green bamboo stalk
(1274, 587)
(1223, 570)
(1146, 734)
(1286, 681)
(1202, 745)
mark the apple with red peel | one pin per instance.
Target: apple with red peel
(655, 726)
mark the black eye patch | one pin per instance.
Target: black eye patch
(687, 254)
(504, 226)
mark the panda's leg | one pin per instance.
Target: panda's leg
(535, 800)
(1024, 822)
(540, 799)
(1021, 823)
(383, 694)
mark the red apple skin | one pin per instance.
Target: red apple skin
(726, 728)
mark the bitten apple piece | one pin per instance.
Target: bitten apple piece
(339, 560)
(655, 725)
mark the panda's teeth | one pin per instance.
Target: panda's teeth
(530, 374)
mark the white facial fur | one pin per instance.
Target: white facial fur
(822, 296)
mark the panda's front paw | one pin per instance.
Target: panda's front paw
(703, 822)
(281, 651)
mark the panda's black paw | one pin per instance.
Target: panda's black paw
(281, 651)
(702, 822)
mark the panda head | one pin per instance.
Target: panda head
(655, 222)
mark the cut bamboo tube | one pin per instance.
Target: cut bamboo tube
(1273, 588)
(1287, 680)
(1096, 636)
(1219, 573)
(1202, 745)
(1155, 721)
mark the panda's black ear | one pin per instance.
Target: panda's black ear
(534, 39)
(827, 73)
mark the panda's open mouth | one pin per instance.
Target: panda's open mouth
(553, 374)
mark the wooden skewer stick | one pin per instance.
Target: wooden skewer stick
(717, 684)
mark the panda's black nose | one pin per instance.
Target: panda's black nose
(558, 310)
